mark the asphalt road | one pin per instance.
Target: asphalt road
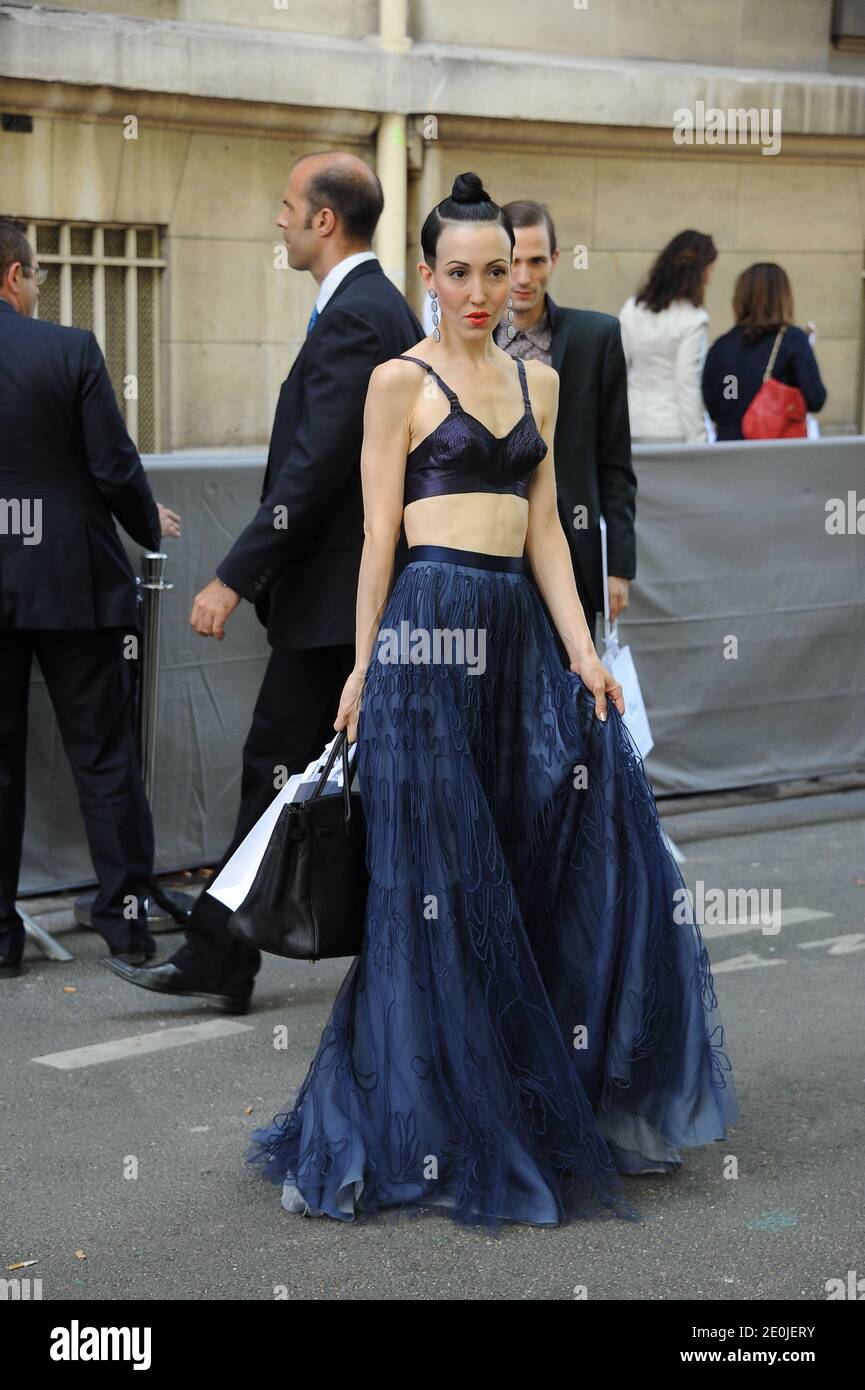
(195, 1224)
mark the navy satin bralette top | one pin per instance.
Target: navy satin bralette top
(462, 455)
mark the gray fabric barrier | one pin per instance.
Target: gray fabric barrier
(746, 623)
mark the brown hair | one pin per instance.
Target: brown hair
(352, 192)
(762, 300)
(523, 212)
(678, 271)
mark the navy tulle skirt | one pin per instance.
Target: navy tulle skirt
(532, 1014)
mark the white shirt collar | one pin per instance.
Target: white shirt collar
(337, 274)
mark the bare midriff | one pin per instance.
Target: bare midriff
(491, 523)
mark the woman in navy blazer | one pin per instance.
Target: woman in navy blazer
(735, 363)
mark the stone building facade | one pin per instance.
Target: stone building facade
(148, 143)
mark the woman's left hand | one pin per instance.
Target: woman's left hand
(601, 683)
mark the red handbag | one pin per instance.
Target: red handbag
(777, 411)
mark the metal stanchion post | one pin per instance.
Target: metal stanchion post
(171, 907)
(165, 909)
(152, 587)
(42, 938)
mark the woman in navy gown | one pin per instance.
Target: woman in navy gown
(532, 1014)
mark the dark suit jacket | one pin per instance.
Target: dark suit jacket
(592, 445)
(66, 455)
(299, 557)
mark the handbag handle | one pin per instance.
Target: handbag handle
(767, 375)
(340, 745)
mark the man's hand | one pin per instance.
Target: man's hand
(169, 522)
(212, 607)
(618, 595)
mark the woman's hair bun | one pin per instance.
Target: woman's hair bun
(468, 188)
(468, 202)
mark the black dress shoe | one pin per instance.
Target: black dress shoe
(137, 957)
(167, 979)
(9, 967)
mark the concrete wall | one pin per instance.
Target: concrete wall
(583, 121)
(777, 34)
(339, 18)
(493, 65)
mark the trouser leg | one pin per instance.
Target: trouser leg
(90, 685)
(15, 659)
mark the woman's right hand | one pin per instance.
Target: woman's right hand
(601, 682)
(349, 705)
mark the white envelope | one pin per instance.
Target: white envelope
(233, 882)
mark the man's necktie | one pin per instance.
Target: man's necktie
(312, 318)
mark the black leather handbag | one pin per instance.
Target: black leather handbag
(308, 898)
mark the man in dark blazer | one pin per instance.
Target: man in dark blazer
(298, 559)
(592, 444)
(68, 597)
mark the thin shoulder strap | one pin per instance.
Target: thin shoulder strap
(451, 395)
(524, 382)
(770, 367)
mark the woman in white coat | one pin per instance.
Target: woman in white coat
(665, 337)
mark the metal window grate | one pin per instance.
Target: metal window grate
(108, 279)
(848, 24)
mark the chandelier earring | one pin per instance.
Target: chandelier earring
(512, 332)
(435, 316)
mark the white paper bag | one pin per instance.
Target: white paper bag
(619, 660)
(812, 423)
(233, 882)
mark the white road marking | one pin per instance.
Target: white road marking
(788, 916)
(838, 945)
(749, 962)
(142, 1042)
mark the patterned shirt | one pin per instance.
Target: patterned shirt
(533, 343)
